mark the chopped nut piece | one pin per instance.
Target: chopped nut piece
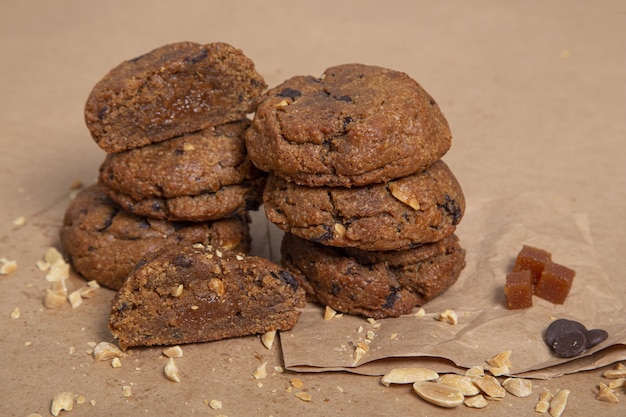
(490, 386)
(53, 257)
(86, 292)
(558, 403)
(215, 404)
(448, 316)
(420, 313)
(282, 103)
(75, 299)
(177, 291)
(217, 286)
(20, 221)
(329, 313)
(60, 288)
(7, 267)
(544, 402)
(42, 265)
(62, 401)
(617, 383)
(404, 195)
(171, 370)
(439, 394)
(173, 352)
(93, 284)
(499, 371)
(518, 386)
(127, 391)
(261, 371)
(462, 382)
(58, 272)
(359, 353)
(15, 314)
(80, 400)
(304, 396)
(279, 369)
(475, 371)
(501, 359)
(52, 299)
(116, 363)
(374, 323)
(607, 394)
(296, 383)
(618, 372)
(267, 338)
(477, 401)
(105, 351)
(408, 376)
(340, 229)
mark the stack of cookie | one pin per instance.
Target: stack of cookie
(357, 183)
(176, 170)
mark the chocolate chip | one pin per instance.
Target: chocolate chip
(391, 298)
(453, 208)
(561, 326)
(290, 93)
(347, 99)
(289, 279)
(196, 58)
(595, 337)
(570, 344)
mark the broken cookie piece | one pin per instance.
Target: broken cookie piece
(223, 295)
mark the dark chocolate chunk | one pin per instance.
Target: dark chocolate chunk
(570, 344)
(595, 337)
(561, 326)
(290, 93)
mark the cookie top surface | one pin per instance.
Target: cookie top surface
(175, 89)
(190, 164)
(374, 284)
(355, 125)
(105, 242)
(419, 208)
(196, 293)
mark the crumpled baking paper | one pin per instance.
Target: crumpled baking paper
(492, 232)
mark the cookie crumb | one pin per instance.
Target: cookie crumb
(15, 314)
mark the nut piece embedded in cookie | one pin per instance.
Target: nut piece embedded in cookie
(225, 295)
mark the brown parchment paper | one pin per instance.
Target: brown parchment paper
(492, 232)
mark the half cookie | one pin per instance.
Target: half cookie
(188, 294)
(172, 90)
(373, 284)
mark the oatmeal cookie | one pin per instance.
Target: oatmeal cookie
(355, 125)
(374, 284)
(104, 242)
(175, 89)
(197, 293)
(419, 208)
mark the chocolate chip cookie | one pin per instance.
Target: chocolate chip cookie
(175, 89)
(372, 283)
(199, 176)
(355, 125)
(187, 294)
(419, 208)
(104, 242)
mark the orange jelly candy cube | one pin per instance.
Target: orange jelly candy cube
(532, 259)
(555, 283)
(519, 290)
